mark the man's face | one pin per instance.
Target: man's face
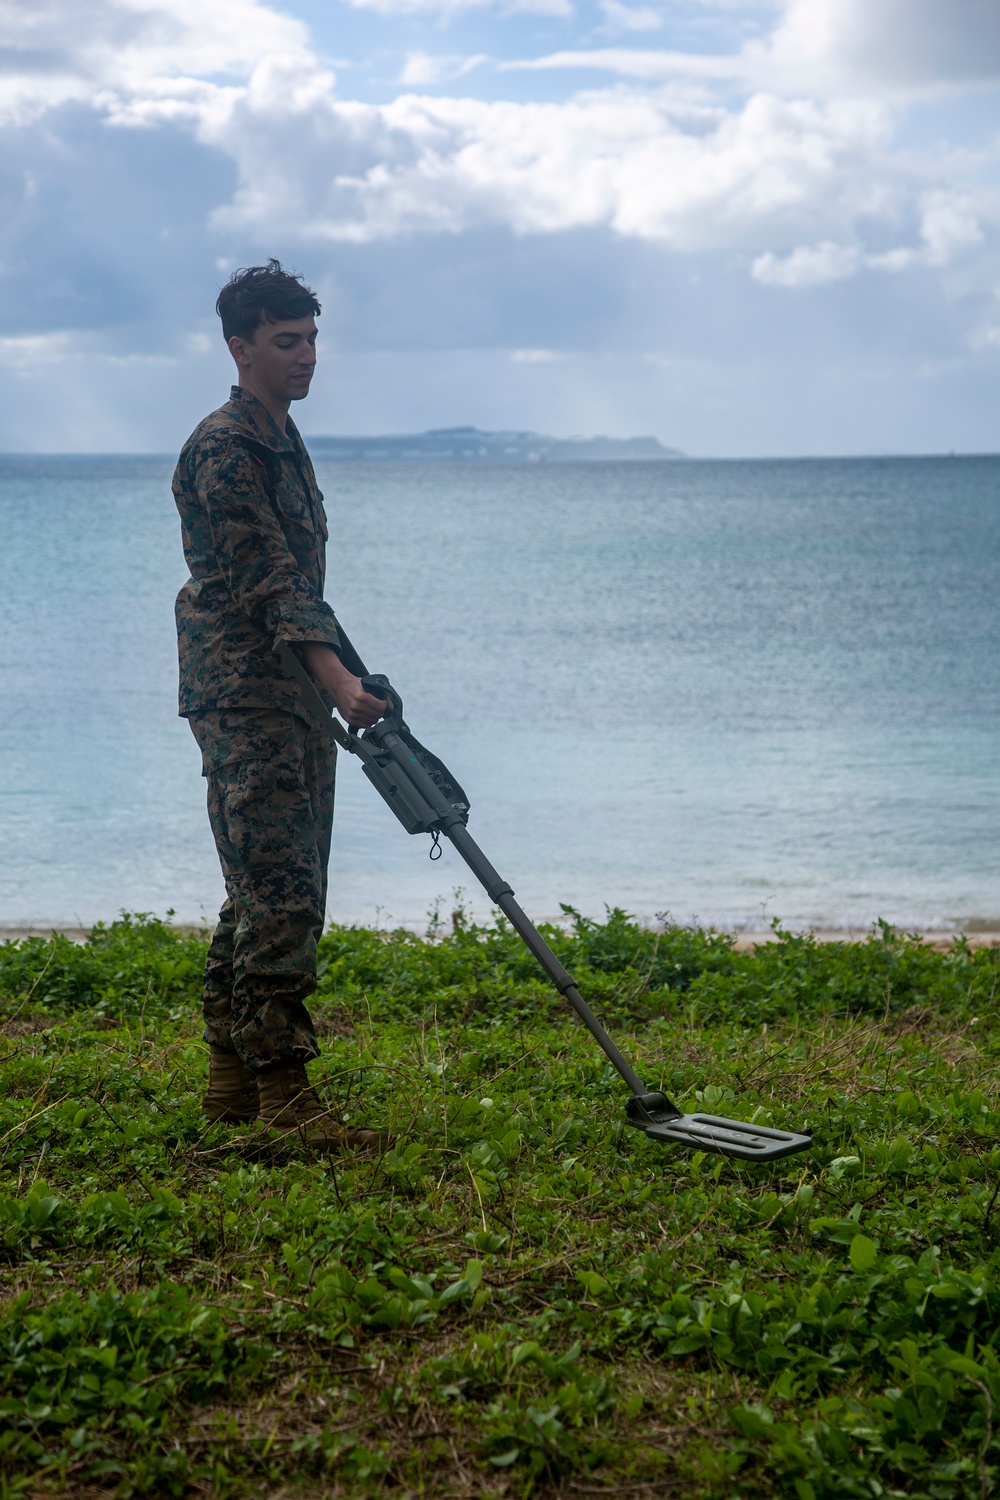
(281, 357)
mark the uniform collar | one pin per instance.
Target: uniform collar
(253, 416)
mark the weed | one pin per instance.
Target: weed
(521, 1296)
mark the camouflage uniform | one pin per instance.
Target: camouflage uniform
(254, 533)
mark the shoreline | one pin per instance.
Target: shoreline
(745, 939)
(938, 938)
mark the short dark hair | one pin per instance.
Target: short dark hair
(263, 294)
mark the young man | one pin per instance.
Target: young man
(254, 533)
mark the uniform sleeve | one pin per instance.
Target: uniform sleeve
(263, 575)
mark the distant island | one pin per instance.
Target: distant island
(468, 443)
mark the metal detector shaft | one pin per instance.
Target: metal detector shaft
(452, 823)
(501, 894)
(648, 1110)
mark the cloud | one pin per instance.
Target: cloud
(108, 51)
(537, 356)
(773, 213)
(25, 351)
(828, 47)
(451, 8)
(807, 191)
(950, 226)
(424, 69)
(633, 62)
(59, 50)
(637, 163)
(949, 229)
(808, 265)
(631, 17)
(824, 49)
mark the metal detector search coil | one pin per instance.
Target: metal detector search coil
(729, 1137)
(426, 798)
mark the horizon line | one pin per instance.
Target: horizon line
(952, 453)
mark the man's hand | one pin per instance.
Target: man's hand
(353, 704)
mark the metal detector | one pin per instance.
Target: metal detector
(426, 798)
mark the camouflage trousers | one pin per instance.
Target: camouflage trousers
(270, 803)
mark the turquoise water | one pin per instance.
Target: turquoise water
(728, 691)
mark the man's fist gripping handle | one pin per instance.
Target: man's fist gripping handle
(355, 706)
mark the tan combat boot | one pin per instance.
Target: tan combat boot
(289, 1103)
(232, 1089)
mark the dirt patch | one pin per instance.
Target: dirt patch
(25, 1026)
(334, 1023)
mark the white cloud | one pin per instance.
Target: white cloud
(108, 51)
(878, 47)
(88, 348)
(949, 229)
(562, 8)
(881, 49)
(633, 62)
(640, 164)
(811, 190)
(537, 356)
(949, 226)
(808, 265)
(425, 69)
(177, 53)
(631, 17)
(28, 350)
(228, 139)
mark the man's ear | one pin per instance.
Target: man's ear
(239, 348)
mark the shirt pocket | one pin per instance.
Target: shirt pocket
(294, 510)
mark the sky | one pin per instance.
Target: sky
(744, 228)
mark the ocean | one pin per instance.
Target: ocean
(724, 691)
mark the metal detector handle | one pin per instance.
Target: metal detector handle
(320, 712)
(377, 685)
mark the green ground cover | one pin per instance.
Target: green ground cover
(523, 1297)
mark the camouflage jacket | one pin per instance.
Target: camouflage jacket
(254, 533)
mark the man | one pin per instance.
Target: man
(254, 533)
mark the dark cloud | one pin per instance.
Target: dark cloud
(102, 228)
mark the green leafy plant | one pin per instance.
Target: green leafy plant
(521, 1293)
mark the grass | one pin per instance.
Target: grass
(523, 1297)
